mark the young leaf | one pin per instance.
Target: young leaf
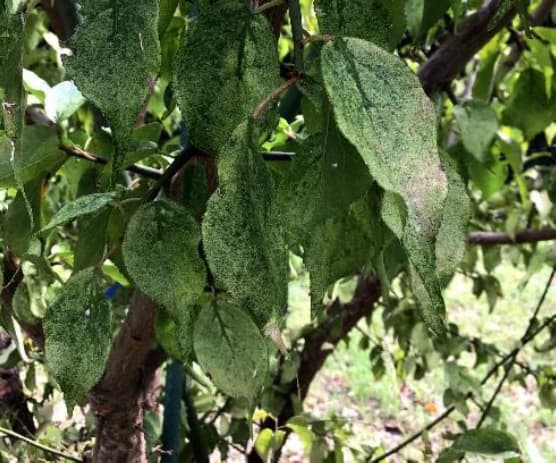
(242, 231)
(78, 335)
(478, 125)
(227, 64)
(116, 51)
(382, 110)
(84, 205)
(62, 101)
(486, 441)
(379, 21)
(161, 254)
(231, 350)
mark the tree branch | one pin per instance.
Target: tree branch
(530, 334)
(313, 355)
(528, 235)
(453, 55)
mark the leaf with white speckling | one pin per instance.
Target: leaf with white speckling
(382, 110)
(77, 334)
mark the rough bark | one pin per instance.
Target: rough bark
(457, 50)
(313, 355)
(120, 398)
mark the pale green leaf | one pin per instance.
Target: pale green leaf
(82, 206)
(231, 350)
(78, 335)
(62, 101)
(161, 254)
(486, 441)
(478, 125)
(379, 21)
(116, 51)
(227, 64)
(242, 231)
(528, 107)
(382, 110)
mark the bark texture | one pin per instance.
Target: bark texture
(125, 391)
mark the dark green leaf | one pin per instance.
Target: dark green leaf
(486, 441)
(423, 14)
(242, 231)
(91, 240)
(39, 155)
(78, 335)
(382, 110)
(161, 253)
(378, 21)
(231, 350)
(227, 64)
(116, 51)
(82, 206)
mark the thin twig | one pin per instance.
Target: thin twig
(44, 448)
(513, 357)
(296, 20)
(529, 335)
(528, 235)
(267, 6)
(276, 93)
(77, 152)
(172, 170)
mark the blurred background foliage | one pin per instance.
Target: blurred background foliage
(386, 378)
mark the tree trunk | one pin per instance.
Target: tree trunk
(127, 387)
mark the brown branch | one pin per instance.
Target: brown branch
(523, 236)
(453, 55)
(313, 355)
(76, 152)
(276, 93)
(118, 400)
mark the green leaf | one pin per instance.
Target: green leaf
(227, 64)
(382, 110)
(242, 231)
(62, 101)
(528, 107)
(486, 441)
(231, 350)
(91, 240)
(161, 254)
(379, 21)
(343, 245)
(478, 125)
(325, 177)
(423, 14)
(116, 51)
(451, 241)
(82, 206)
(17, 226)
(39, 155)
(78, 335)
